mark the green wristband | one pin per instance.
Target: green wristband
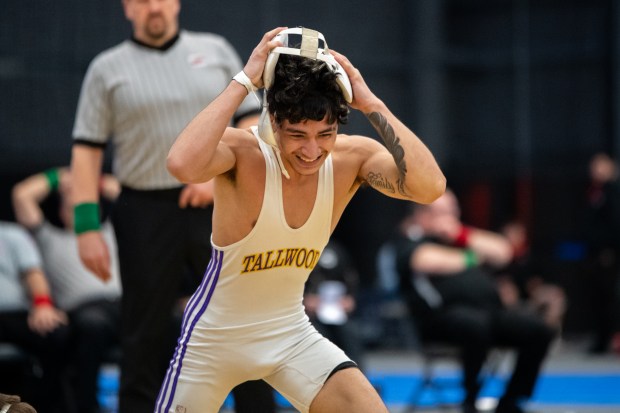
(86, 217)
(52, 178)
(471, 260)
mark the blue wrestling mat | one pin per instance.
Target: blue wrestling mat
(566, 388)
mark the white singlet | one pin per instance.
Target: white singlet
(246, 321)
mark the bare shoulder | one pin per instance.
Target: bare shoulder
(354, 148)
(239, 138)
(356, 144)
(249, 160)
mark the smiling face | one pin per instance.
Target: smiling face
(305, 145)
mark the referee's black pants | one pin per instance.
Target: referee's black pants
(160, 246)
(95, 331)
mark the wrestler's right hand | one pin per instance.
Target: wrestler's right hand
(256, 63)
(94, 254)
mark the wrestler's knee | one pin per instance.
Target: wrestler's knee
(347, 390)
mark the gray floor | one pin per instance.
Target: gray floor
(565, 357)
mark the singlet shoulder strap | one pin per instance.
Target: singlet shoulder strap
(273, 177)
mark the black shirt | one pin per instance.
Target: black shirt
(473, 287)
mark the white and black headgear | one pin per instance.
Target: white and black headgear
(312, 46)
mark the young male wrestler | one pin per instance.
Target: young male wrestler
(276, 205)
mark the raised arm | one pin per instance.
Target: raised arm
(483, 247)
(200, 151)
(28, 194)
(406, 169)
(464, 247)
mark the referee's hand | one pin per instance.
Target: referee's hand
(94, 254)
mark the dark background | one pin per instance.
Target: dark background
(513, 97)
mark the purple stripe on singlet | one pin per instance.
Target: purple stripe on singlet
(197, 300)
(196, 297)
(210, 277)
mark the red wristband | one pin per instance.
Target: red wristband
(40, 300)
(462, 239)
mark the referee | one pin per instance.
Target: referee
(138, 96)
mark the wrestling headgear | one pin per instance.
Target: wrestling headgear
(313, 46)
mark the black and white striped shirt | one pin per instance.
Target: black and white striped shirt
(140, 99)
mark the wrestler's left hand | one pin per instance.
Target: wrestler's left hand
(196, 195)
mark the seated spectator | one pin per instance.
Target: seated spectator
(28, 317)
(93, 306)
(520, 284)
(329, 299)
(444, 274)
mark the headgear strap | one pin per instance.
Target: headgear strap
(309, 43)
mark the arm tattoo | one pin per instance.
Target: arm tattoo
(376, 180)
(392, 143)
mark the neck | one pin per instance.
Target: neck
(159, 44)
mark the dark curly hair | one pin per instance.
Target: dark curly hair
(305, 89)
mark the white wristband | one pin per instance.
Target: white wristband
(243, 79)
(5, 408)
